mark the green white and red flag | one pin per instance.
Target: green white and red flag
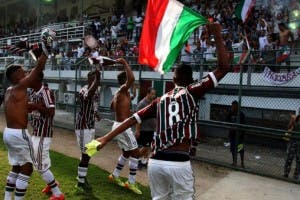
(167, 26)
(243, 9)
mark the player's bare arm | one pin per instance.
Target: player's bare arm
(32, 79)
(129, 74)
(109, 136)
(223, 63)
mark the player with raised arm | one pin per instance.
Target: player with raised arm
(85, 125)
(126, 141)
(15, 135)
(169, 168)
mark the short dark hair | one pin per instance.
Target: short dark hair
(184, 74)
(234, 102)
(122, 77)
(282, 24)
(91, 73)
(11, 69)
(149, 90)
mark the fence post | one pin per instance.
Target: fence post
(77, 68)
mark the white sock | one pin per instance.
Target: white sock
(82, 172)
(10, 185)
(121, 162)
(21, 186)
(133, 165)
(50, 180)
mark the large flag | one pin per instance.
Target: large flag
(243, 9)
(167, 26)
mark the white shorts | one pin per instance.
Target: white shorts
(126, 140)
(19, 146)
(83, 137)
(41, 146)
(171, 180)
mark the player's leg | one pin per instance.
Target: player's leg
(297, 169)
(289, 158)
(145, 141)
(182, 181)
(41, 150)
(18, 140)
(122, 160)
(131, 148)
(83, 137)
(22, 180)
(159, 180)
(11, 182)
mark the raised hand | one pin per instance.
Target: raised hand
(47, 37)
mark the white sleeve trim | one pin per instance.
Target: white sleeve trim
(137, 117)
(213, 77)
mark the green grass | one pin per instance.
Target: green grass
(65, 170)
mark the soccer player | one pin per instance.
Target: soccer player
(85, 125)
(15, 135)
(42, 104)
(127, 142)
(169, 168)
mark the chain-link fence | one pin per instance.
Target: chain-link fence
(253, 137)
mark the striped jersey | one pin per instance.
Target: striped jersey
(85, 118)
(176, 113)
(41, 124)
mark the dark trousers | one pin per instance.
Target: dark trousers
(293, 150)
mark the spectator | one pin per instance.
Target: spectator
(198, 54)
(130, 27)
(186, 54)
(293, 149)
(123, 25)
(138, 26)
(236, 138)
(80, 51)
(284, 35)
(145, 131)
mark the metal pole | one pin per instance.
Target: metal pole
(77, 66)
(82, 10)
(38, 14)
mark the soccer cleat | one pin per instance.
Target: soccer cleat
(133, 187)
(83, 187)
(116, 180)
(47, 189)
(60, 197)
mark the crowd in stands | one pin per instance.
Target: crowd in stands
(119, 35)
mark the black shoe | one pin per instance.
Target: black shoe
(83, 187)
(140, 165)
(145, 165)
